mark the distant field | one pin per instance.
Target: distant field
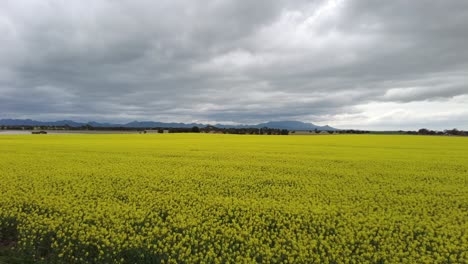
(59, 132)
(234, 199)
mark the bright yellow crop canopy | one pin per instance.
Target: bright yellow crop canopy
(197, 198)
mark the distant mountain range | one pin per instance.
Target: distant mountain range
(290, 125)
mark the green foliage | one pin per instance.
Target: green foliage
(191, 198)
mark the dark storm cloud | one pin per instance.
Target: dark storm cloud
(234, 61)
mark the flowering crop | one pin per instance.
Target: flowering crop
(197, 198)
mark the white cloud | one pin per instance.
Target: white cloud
(450, 113)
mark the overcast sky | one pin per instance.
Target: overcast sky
(350, 64)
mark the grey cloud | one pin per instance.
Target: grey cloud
(233, 61)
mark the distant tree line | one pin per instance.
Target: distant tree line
(342, 131)
(448, 132)
(352, 131)
(243, 131)
(195, 129)
(217, 130)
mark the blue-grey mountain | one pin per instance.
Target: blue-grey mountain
(290, 125)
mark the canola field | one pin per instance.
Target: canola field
(198, 198)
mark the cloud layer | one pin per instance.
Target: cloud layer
(352, 64)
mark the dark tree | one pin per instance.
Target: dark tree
(423, 131)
